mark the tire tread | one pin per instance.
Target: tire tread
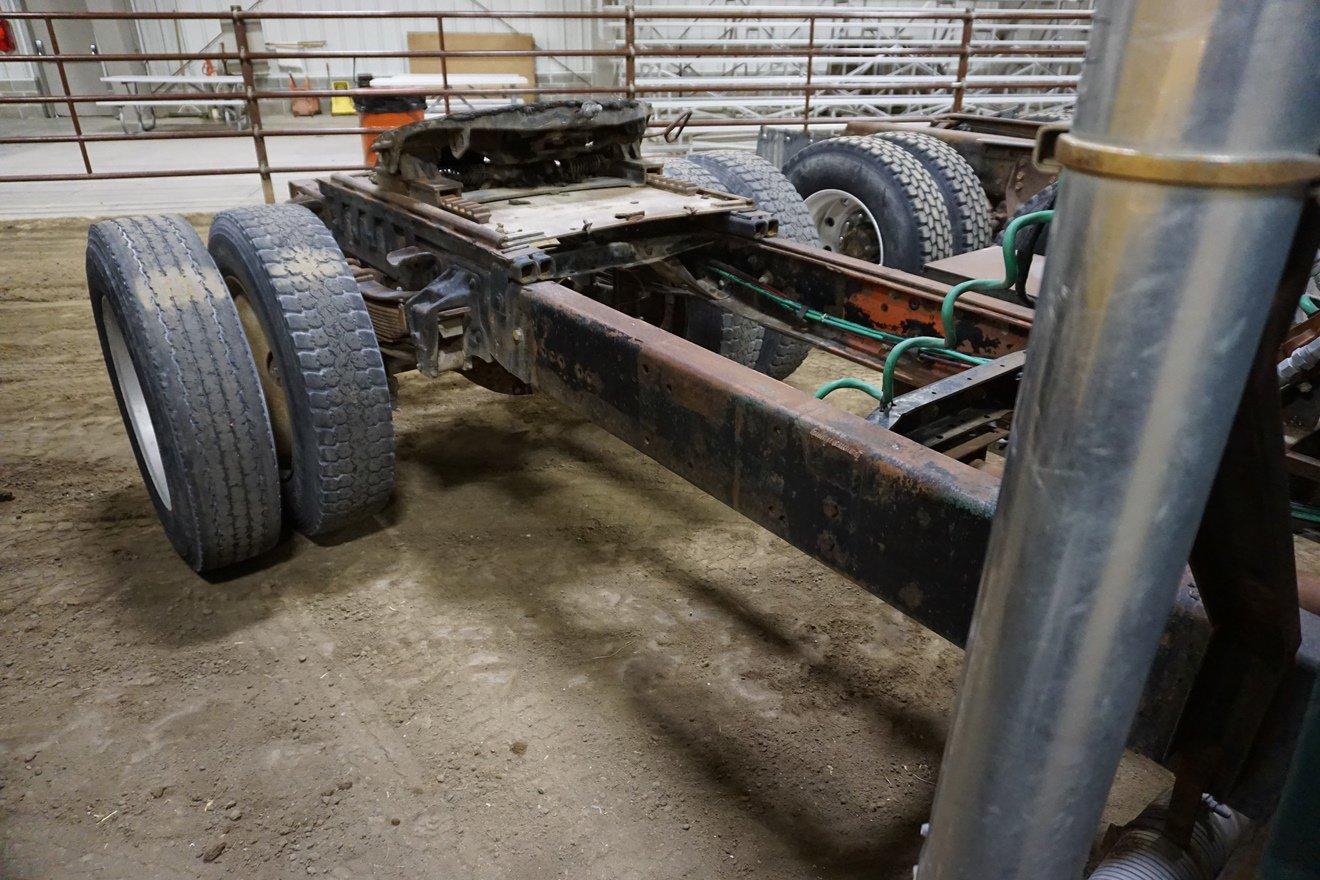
(739, 339)
(338, 358)
(215, 416)
(920, 191)
(969, 209)
(754, 177)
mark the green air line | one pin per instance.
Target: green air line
(810, 314)
(1308, 305)
(916, 343)
(837, 323)
(1304, 512)
(945, 346)
(1010, 273)
(856, 384)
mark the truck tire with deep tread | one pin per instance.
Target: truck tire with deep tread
(321, 368)
(737, 338)
(969, 209)
(751, 176)
(899, 194)
(187, 388)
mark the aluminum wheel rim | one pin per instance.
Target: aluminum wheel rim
(837, 215)
(135, 403)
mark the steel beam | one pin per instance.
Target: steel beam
(904, 522)
(908, 524)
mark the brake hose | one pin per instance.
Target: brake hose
(947, 308)
(1009, 249)
(855, 384)
(819, 317)
(946, 346)
(1305, 512)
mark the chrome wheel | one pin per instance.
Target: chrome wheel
(845, 225)
(135, 402)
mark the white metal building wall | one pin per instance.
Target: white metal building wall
(193, 36)
(198, 35)
(17, 74)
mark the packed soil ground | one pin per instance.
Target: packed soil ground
(548, 658)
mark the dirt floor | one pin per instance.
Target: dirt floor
(549, 657)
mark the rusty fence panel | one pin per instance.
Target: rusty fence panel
(630, 50)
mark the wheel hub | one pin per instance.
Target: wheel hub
(845, 225)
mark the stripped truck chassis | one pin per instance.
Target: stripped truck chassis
(548, 309)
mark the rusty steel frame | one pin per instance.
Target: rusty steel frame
(885, 508)
(907, 523)
(830, 483)
(956, 86)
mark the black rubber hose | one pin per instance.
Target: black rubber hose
(1032, 240)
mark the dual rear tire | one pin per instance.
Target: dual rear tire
(737, 338)
(900, 199)
(315, 350)
(248, 377)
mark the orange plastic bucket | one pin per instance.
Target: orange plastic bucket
(383, 120)
(387, 111)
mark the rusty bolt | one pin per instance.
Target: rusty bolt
(831, 509)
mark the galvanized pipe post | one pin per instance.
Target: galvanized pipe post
(1196, 130)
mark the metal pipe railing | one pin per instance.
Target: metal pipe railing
(64, 84)
(1184, 178)
(741, 50)
(189, 172)
(678, 87)
(722, 13)
(867, 91)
